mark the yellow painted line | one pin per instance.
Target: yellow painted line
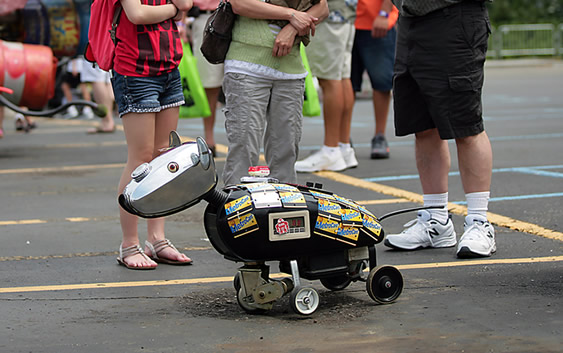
(381, 202)
(87, 254)
(62, 169)
(277, 275)
(485, 262)
(21, 222)
(499, 220)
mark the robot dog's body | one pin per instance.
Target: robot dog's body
(313, 233)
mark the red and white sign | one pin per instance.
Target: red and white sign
(259, 171)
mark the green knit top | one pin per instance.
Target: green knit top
(253, 41)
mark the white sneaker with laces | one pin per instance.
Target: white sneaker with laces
(71, 113)
(478, 239)
(423, 232)
(88, 113)
(320, 160)
(349, 156)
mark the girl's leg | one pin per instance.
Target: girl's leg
(139, 133)
(166, 121)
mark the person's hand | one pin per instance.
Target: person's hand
(379, 27)
(284, 41)
(303, 22)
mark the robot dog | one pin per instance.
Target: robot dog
(313, 233)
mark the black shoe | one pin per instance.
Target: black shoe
(379, 147)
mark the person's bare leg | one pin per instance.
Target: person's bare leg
(209, 122)
(85, 90)
(475, 157)
(166, 121)
(333, 107)
(65, 87)
(381, 102)
(432, 161)
(348, 107)
(139, 134)
(103, 95)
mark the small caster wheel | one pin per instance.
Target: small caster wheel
(236, 281)
(336, 282)
(247, 306)
(304, 301)
(384, 284)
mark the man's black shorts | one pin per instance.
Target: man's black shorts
(439, 71)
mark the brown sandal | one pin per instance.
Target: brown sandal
(130, 251)
(158, 247)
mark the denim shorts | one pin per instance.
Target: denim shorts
(377, 56)
(147, 94)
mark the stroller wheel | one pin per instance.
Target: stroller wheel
(304, 300)
(384, 284)
(247, 303)
(236, 281)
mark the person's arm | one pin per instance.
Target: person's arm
(140, 14)
(380, 25)
(183, 6)
(302, 21)
(285, 39)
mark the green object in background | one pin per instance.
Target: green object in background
(311, 104)
(196, 105)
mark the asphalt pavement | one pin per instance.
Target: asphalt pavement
(61, 289)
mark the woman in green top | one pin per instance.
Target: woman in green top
(263, 85)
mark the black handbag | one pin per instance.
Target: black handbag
(217, 33)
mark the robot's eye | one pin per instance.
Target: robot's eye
(173, 167)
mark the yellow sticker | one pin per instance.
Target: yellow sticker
(292, 199)
(349, 232)
(240, 205)
(243, 224)
(327, 225)
(351, 217)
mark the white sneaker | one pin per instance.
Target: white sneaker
(478, 238)
(424, 232)
(88, 113)
(320, 160)
(71, 113)
(349, 156)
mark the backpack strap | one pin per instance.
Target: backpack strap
(114, 23)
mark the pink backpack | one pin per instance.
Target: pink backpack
(104, 17)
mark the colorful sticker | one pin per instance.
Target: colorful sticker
(292, 199)
(254, 187)
(365, 210)
(351, 218)
(349, 232)
(327, 225)
(371, 227)
(328, 209)
(346, 202)
(318, 195)
(238, 206)
(285, 187)
(243, 225)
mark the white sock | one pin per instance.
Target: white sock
(439, 214)
(344, 146)
(331, 151)
(478, 203)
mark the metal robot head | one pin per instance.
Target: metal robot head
(177, 179)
